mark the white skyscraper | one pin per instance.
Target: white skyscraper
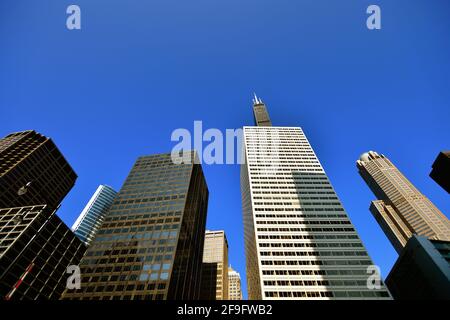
(91, 218)
(299, 241)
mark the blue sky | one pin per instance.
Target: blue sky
(137, 70)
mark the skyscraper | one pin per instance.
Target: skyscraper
(234, 284)
(91, 218)
(150, 244)
(422, 270)
(215, 266)
(441, 170)
(260, 114)
(401, 209)
(36, 247)
(32, 171)
(299, 241)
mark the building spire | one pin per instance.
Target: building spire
(256, 100)
(260, 112)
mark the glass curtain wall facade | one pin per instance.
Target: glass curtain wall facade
(33, 171)
(150, 244)
(36, 247)
(35, 250)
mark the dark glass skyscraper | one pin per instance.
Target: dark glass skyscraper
(35, 250)
(422, 270)
(441, 170)
(32, 171)
(36, 247)
(150, 244)
(260, 114)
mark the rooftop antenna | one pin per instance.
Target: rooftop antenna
(256, 100)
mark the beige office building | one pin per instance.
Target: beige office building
(234, 284)
(215, 266)
(401, 210)
(299, 241)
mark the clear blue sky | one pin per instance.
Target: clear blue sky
(140, 69)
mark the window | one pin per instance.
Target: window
(164, 276)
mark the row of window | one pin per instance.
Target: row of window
(314, 283)
(305, 230)
(308, 236)
(312, 253)
(299, 209)
(313, 272)
(315, 262)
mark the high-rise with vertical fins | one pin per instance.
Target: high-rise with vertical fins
(401, 210)
(299, 241)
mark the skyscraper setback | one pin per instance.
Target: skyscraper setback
(91, 218)
(401, 209)
(36, 247)
(299, 242)
(150, 244)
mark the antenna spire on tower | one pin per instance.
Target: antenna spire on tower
(256, 100)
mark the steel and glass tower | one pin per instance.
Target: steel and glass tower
(299, 241)
(91, 218)
(36, 247)
(33, 171)
(150, 244)
(401, 210)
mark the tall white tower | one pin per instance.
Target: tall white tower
(299, 241)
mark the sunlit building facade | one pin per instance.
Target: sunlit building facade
(299, 241)
(150, 244)
(401, 210)
(234, 284)
(215, 266)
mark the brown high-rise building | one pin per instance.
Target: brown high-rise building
(150, 244)
(441, 170)
(260, 114)
(32, 171)
(215, 266)
(401, 209)
(36, 247)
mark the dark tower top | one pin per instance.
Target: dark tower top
(260, 113)
(441, 170)
(33, 171)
